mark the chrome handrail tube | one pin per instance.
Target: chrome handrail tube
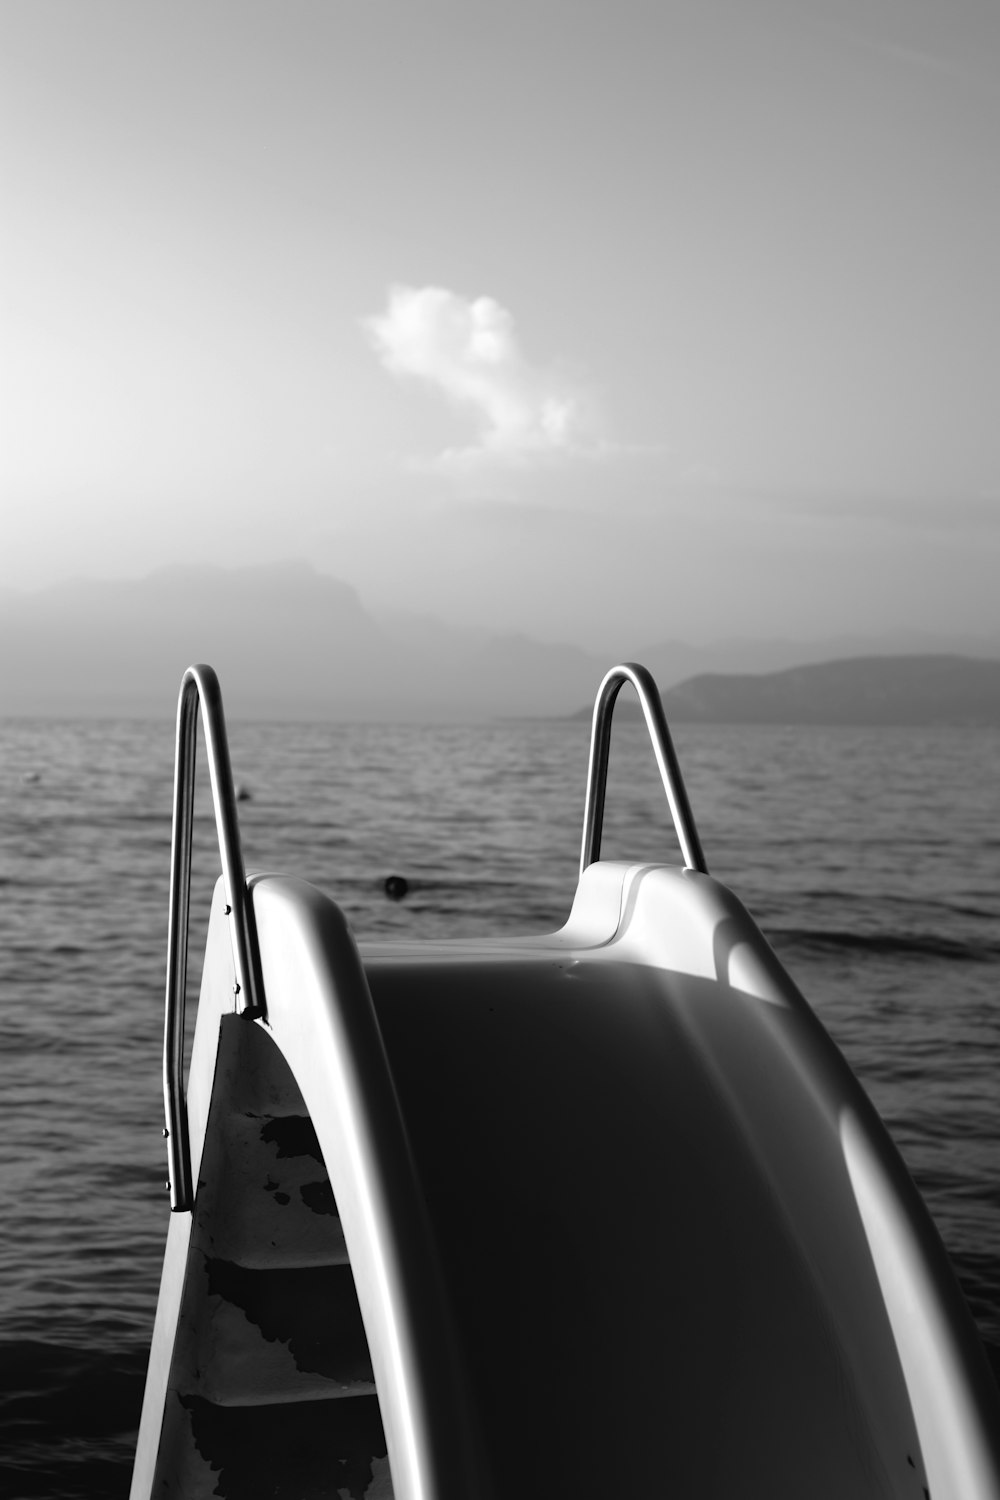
(200, 687)
(666, 760)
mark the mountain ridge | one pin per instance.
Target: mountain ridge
(916, 691)
(289, 642)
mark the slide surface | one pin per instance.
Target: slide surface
(609, 1213)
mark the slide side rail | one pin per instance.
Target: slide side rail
(666, 760)
(200, 689)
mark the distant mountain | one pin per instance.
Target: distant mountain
(281, 637)
(674, 662)
(291, 643)
(286, 641)
(907, 690)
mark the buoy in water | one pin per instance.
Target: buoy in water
(396, 887)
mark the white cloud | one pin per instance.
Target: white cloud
(467, 350)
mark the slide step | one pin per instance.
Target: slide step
(310, 1450)
(252, 1336)
(270, 1390)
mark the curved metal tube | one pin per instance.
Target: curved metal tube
(200, 686)
(666, 759)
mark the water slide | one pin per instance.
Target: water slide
(601, 1213)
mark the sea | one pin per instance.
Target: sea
(869, 858)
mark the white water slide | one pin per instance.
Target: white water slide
(598, 1215)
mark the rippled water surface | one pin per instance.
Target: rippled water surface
(870, 859)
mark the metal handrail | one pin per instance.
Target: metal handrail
(666, 760)
(200, 686)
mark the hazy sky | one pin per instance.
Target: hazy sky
(673, 317)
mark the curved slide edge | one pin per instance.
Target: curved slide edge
(950, 1387)
(321, 1016)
